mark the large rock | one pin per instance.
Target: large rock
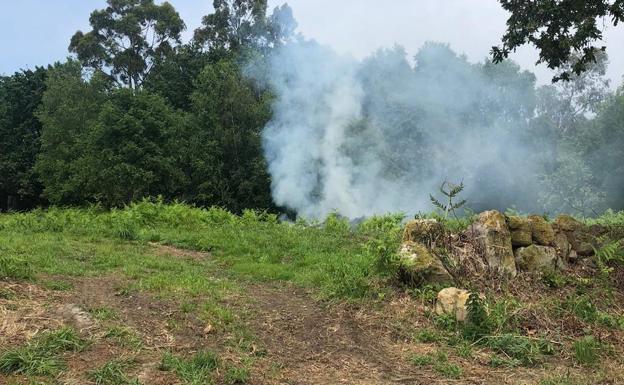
(564, 248)
(417, 265)
(536, 258)
(541, 231)
(520, 229)
(582, 238)
(453, 301)
(426, 231)
(494, 240)
(567, 223)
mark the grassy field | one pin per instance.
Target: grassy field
(170, 294)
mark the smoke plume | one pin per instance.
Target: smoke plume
(378, 135)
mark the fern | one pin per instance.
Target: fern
(610, 252)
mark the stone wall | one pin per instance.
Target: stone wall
(494, 243)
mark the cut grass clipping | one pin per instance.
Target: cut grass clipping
(40, 356)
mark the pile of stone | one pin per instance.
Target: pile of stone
(494, 243)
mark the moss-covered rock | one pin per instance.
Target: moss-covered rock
(418, 266)
(426, 231)
(566, 223)
(581, 237)
(494, 239)
(520, 229)
(536, 258)
(542, 232)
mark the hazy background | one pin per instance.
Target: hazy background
(37, 32)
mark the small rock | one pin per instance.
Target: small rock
(520, 229)
(426, 231)
(541, 231)
(536, 258)
(453, 301)
(418, 265)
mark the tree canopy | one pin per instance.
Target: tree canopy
(127, 38)
(560, 30)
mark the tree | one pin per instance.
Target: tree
(20, 130)
(229, 115)
(103, 144)
(559, 29)
(127, 38)
(244, 23)
(70, 106)
(173, 76)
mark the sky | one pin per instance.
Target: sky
(37, 32)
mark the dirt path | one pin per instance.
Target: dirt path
(317, 344)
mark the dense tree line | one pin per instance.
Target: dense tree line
(138, 113)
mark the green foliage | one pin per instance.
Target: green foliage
(609, 253)
(20, 131)
(477, 323)
(558, 30)
(384, 234)
(40, 356)
(587, 351)
(152, 30)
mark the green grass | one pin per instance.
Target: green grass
(113, 373)
(124, 337)
(78, 242)
(439, 361)
(194, 371)
(104, 313)
(237, 376)
(41, 356)
(587, 351)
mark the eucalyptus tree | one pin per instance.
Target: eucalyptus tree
(127, 38)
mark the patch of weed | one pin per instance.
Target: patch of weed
(194, 371)
(124, 337)
(237, 376)
(40, 356)
(104, 313)
(113, 373)
(587, 351)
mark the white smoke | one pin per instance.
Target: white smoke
(378, 135)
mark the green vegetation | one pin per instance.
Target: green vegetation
(439, 362)
(41, 355)
(587, 351)
(255, 245)
(195, 371)
(113, 373)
